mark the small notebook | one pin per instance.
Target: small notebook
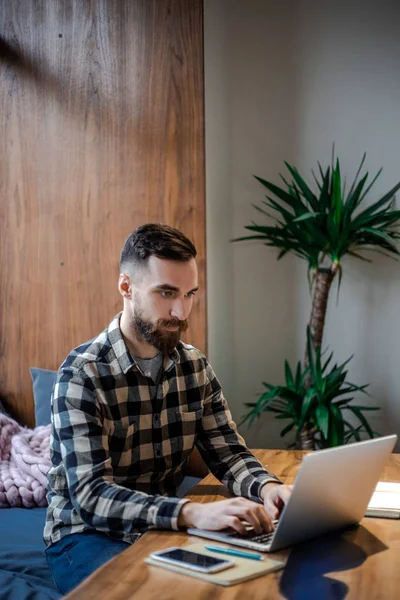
(243, 570)
(385, 501)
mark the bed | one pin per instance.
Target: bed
(24, 461)
(24, 573)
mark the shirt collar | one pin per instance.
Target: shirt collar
(118, 345)
(170, 361)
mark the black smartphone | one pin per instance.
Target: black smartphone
(192, 560)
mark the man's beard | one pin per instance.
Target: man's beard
(155, 334)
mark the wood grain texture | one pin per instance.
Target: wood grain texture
(102, 124)
(359, 563)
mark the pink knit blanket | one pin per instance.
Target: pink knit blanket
(24, 462)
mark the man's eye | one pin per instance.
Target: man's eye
(190, 294)
(166, 294)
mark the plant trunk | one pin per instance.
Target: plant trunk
(322, 284)
(305, 439)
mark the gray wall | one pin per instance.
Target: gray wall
(284, 81)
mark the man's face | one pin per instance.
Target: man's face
(161, 301)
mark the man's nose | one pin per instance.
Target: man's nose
(178, 310)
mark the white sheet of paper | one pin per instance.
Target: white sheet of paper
(386, 495)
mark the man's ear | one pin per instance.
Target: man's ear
(125, 285)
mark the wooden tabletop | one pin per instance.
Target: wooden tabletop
(361, 563)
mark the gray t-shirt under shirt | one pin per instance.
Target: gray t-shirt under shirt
(151, 366)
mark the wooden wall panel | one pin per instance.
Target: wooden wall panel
(102, 129)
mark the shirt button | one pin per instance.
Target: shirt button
(158, 452)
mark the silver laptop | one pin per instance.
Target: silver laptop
(332, 490)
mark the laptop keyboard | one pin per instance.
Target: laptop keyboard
(252, 540)
(261, 538)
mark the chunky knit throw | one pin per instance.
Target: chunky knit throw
(24, 462)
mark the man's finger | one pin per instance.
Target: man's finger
(271, 509)
(265, 519)
(236, 524)
(274, 502)
(246, 511)
(251, 517)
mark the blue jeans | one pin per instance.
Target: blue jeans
(76, 556)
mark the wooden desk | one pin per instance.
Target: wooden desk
(359, 564)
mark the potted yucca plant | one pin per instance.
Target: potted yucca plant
(321, 226)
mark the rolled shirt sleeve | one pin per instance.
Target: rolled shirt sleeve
(225, 450)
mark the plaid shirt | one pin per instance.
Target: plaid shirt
(120, 443)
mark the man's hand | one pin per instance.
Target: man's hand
(275, 496)
(225, 513)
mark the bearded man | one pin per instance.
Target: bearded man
(128, 408)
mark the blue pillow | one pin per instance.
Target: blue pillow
(43, 383)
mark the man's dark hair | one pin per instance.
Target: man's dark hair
(155, 239)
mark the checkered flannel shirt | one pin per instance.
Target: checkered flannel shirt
(120, 443)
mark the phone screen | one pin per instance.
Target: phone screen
(192, 558)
